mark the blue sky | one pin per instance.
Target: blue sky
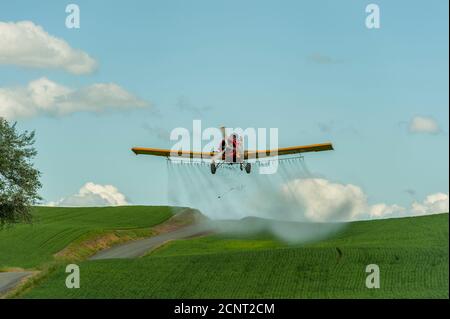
(310, 68)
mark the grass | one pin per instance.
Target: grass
(412, 254)
(53, 229)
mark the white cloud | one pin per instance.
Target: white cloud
(93, 195)
(323, 200)
(433, 204)
(43, 96)
(423, 124)
(27, 44)
(383, 210)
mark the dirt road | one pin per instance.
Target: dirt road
(9, 280)
(140, 247)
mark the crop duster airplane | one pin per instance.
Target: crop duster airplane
(230, 152)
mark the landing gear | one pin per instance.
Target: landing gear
(242, 166)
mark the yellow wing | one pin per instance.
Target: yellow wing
(289, 150)
(167, 153)
(247, 154)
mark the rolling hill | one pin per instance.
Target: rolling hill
(412, 254)
(53, 229)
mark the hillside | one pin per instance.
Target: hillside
(53, 229)
(412, 254)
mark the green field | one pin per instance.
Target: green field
(31, 245)
(412, 254)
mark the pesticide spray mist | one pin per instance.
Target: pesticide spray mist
(231, 199)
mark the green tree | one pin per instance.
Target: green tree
(19, 180)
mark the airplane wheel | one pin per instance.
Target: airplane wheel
(213, 168)
(248, 168)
